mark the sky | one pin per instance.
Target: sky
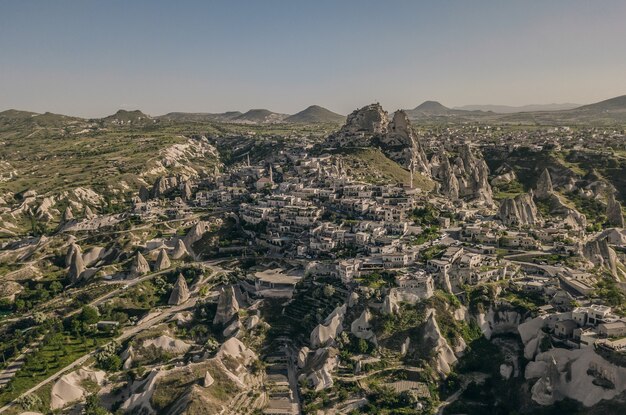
(91, 58)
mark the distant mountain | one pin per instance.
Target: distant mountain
(432, 107)
(260, 116)
(608, 112)
(612, 104)
(507, 109)
(123, 117)
(316, 114)
(13, 118)
(200, 116)
(436, 112)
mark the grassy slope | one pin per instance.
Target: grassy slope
(372, 166)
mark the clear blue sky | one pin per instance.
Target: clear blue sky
(90, 58)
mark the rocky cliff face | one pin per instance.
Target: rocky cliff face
(579, 374)
(599, 253)
(402, 144)
(519, 211)
(614, 212)
(466, 177)
(370, 126)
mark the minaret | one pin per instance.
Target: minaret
(248, 159)
(411, 172)
(271, 174)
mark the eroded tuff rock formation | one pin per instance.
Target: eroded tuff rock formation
(227, 306)
(77, 266)
(444, 356)
(180, 292)
(519, 211)
(180, 250)
(362, 328)
(370, 126)
(162, 261)
(325, 333)
(600, 254)
(466, 177)
(139, 266)
(544, 185)
(545, 192)
(614, 212)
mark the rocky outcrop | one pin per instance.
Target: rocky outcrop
(444, 356)
(88, 213)
(361, 125)
(144, 194)
(70, 387)
(167, 344)
(162, 261)
(449, 183)
(77, 266)
(180, 250)
(504, 175)
(186, 191)
(402, 144)
(128, 357)
(303, 355)
(162, 186)
(319, 368)
(208, 380)
(519, 211)
(466, 177)
(370, 127)
(180, 292)
(600, 254)
(227, 306)
(614, 212)
(71, 250)
(362, 329)
(544, 185)
(195, 234)
(391, 303)
(327, 332)
(579, 374)
(498, 321)
(139, 266)
(68, 215)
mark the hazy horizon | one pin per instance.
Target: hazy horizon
(89, 59)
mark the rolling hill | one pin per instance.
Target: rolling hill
(316, 114)
(260, 116)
